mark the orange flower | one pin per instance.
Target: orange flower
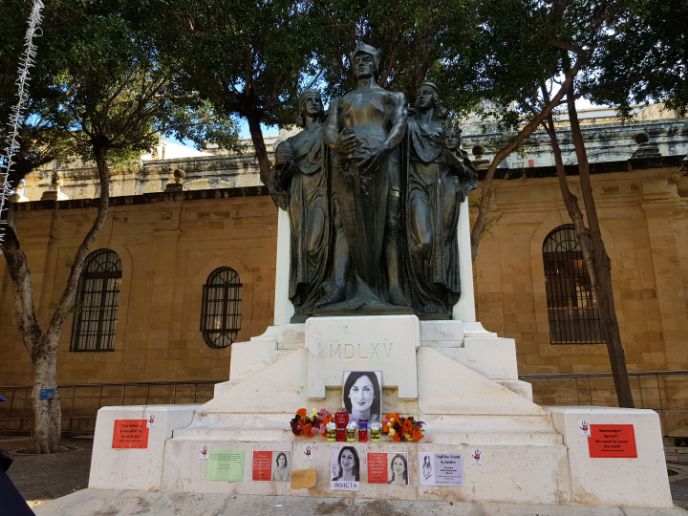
(417, 434)
(307, 429)
(408, 426)
(302, 412)
(393, 416)
(396, 437)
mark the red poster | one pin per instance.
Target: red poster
(130, 433)
(262, 465)
(615, 441)
(377, 468)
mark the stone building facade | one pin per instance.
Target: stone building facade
(172, 231)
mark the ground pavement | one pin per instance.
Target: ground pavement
(42, 478)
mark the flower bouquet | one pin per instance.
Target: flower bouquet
(401, 428)
(310, 425)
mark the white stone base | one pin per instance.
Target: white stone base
(467, 391)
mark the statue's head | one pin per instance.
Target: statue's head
(365, 61)
(310, 105)
(428, 96)
(452, 136)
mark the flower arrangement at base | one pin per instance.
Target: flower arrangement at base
(401, 428)
(310, 425)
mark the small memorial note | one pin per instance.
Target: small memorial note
(440, 469)
(227, 465)
(130, 433)
(612, 441)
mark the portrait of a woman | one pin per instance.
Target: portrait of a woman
(280, 470)
(362, 395)
(348, 465)
(427, 468)
(398, 474)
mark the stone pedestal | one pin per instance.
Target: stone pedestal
(458, 378)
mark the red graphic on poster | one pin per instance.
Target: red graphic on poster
(130, 433)
(262, 465)
(612, 441)
(377, 468)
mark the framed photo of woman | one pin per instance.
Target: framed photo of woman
(362, 395)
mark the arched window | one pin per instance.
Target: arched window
(221, 309)
(571, 303)
(97, 299)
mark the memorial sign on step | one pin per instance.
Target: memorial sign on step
(440, 469)
(130, 433)
(227, 465)
(612, 441)
(388, 468)
(345, 469)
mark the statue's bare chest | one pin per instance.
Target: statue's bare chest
(365, 108)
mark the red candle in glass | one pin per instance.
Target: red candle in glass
(341, 419)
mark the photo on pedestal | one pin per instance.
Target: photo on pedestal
(281, 466)
(345, 466)
(388, 468)
(362, 395)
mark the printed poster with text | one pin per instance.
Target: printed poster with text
(227, 465)
(440, 469)
(268, 465)
(130, 433)
(612, 442)
(388, 468)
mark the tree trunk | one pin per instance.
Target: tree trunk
(43, 346)
(571, 201)
(601, 276)
(266, 173)
(487, 189)
(47, 414)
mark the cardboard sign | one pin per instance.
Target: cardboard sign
(303, 478)
(262, 465)
(225, 465)
(612, 441)
(130, 433)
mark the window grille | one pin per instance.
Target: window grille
(97, 299)
(571, 303)
(221, 308)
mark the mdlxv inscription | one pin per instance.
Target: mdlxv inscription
(368, 350)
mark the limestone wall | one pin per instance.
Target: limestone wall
(168, 247)
(645, 227)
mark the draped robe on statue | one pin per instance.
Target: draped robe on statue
(304, 180)
(438, 181)
(360, 198)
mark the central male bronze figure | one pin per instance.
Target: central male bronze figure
(363, 131)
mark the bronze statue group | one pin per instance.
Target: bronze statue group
(373, 191)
